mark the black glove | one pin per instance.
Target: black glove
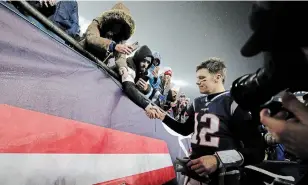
(181, 166)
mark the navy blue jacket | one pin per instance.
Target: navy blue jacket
(66, 17)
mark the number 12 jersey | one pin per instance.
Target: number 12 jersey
(217, 123)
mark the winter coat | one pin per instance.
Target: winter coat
(95, 39)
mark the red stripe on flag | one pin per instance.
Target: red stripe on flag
(25, 131)
(155, 177)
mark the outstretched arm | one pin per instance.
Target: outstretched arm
(128, 82)
(133, 93)
(182, 128)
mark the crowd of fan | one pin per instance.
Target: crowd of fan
(106, 38)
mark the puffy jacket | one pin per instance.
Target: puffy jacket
(98, 39)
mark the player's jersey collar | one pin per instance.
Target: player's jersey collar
(212, 97)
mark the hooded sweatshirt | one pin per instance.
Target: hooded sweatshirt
(134, 63)
(97, 37)
(128, 82)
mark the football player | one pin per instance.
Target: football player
(223, 135)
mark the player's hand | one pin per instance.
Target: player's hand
(124, 49)
(204, 165)
(292, 132)
(143, 85)
(155, 112)
(152, 112)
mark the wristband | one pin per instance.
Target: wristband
(230, 158)
(219, 164)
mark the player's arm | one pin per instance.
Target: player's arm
(182, 128)
(247, 131)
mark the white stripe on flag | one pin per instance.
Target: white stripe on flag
(76, 169)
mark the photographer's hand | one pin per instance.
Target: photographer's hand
(293, 133)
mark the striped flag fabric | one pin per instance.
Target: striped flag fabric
(33, 144)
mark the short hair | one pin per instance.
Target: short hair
(215, 66)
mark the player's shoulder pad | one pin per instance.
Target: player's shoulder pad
(225, 96)
(230, 101)
(234, 106)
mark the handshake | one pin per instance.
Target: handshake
(154, 112)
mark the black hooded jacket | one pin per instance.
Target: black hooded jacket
(134, 62)
(129, 87)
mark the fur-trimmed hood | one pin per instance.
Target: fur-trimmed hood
(121, 14)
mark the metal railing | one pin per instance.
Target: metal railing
(73, 43)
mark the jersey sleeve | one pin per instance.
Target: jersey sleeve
(247, 131)
(182, 128)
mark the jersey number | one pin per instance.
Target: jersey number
(200, 135)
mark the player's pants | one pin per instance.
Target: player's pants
(229, 178)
